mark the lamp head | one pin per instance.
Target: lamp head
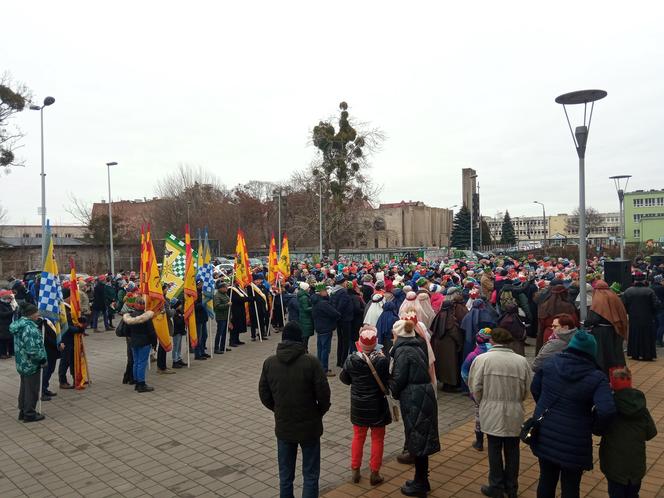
(113, 163)
(34, 107)
(49, 101)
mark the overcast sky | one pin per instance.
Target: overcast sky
(236, 87)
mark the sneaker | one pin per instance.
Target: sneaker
(45, 397)
(51, 394)
(165, 371)
(218, 351)
(177, 365)
(241, 343)
(66, 386)
(181, 363)
(200, 358)
(206, 355)
(355, 476)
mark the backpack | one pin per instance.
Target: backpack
(507, 299)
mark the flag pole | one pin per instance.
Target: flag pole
(269, 326)
(281, 298)
(41, 372)
(188, 351)
(258, 319)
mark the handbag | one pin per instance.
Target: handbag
(531, 426)
(394, 409)
(121, 329)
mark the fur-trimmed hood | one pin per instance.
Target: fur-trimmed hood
(136, 320)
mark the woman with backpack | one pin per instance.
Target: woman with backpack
(367, 373)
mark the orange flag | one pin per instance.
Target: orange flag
(190, 293)
(143, 273)
(242, 270)
(80, 361)
(154, 298)
(272, 262)
(284, 258)
(74, 297)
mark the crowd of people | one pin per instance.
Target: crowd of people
(405, 332)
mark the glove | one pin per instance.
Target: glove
(43, 362)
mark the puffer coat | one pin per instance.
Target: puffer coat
(368, 404)
(411, 385)
(304, 318)
(569, 385)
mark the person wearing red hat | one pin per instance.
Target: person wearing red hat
(367, 372)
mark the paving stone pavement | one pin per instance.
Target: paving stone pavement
(202, 432)
(459, 471)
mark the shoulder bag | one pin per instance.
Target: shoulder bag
(394, 409)
(531, 426)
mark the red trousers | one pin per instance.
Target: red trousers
(357, 447)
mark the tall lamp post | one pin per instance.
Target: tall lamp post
(47, 102)
(320, 221)
(620, 188)
(110, 217)
(277, 193)
(543, 222)
(472, 202)
(580, 139)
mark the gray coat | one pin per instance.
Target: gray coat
(552, 347)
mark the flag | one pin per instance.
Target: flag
(199, 257)
(190, 293)
(51, 304)
(242, 270)
(174, 263)
(74, 297)
(207, 274)
(154, 298)
(272, 262)
(143, 274)
(284, 258)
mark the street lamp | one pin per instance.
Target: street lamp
(110, 216)
(47, 102)
(543, 221)
(620, 188)
(472, 199)
(580, 139)
(277, 192)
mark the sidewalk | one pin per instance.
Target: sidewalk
(459, 470)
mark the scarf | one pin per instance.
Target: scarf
(609, 306)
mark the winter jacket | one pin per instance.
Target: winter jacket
(569, 386)
(305, 313)
(6, 316)
(178, 323)
(85, 301)
(324, 315)
(499, 381)
(221, 305)
(292, 307)
(294, 386)
(140, 328)
(368, 404)
(387, 319)
(552, 347)
(342, 303)
(99, 297)
(170, 313)
(28, 346)
(622, 452)
(200, 310)
(410, 383)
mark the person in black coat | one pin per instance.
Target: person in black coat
(293, 386)
(325, 318)
(342, 302)
(238, 315)
(411, 385)
(642, 305)
(358, 314)
(66, 348)
(202, 318)
(658, 288)
(142, 338)
(6, 318)
(369, 407)
(99, 304)
(577, 400)
(257, 296)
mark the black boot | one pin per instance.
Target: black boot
(420, 485)
(142, 387)
(479, 441)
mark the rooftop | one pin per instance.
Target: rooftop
(37, 241)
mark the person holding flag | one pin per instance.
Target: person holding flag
(72, 352)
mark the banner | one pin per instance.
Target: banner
(207, 274)
(174, 264)
(284, 258)
(51, 304)
(154, 298)
(190, 293)
(272, 262)
(242, 270)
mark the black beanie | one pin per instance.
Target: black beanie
(27, 309)
(292, 332)
(65, 293)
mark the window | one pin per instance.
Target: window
(637, 233)
(68, 235)
(649, 202)
(26, 235)
(637, 218)
(638, 203)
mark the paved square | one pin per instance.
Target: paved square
(202, 432)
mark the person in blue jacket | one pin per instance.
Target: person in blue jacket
(576, 400)
(325, 318)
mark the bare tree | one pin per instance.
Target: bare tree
(14, 97)
(593, 221)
